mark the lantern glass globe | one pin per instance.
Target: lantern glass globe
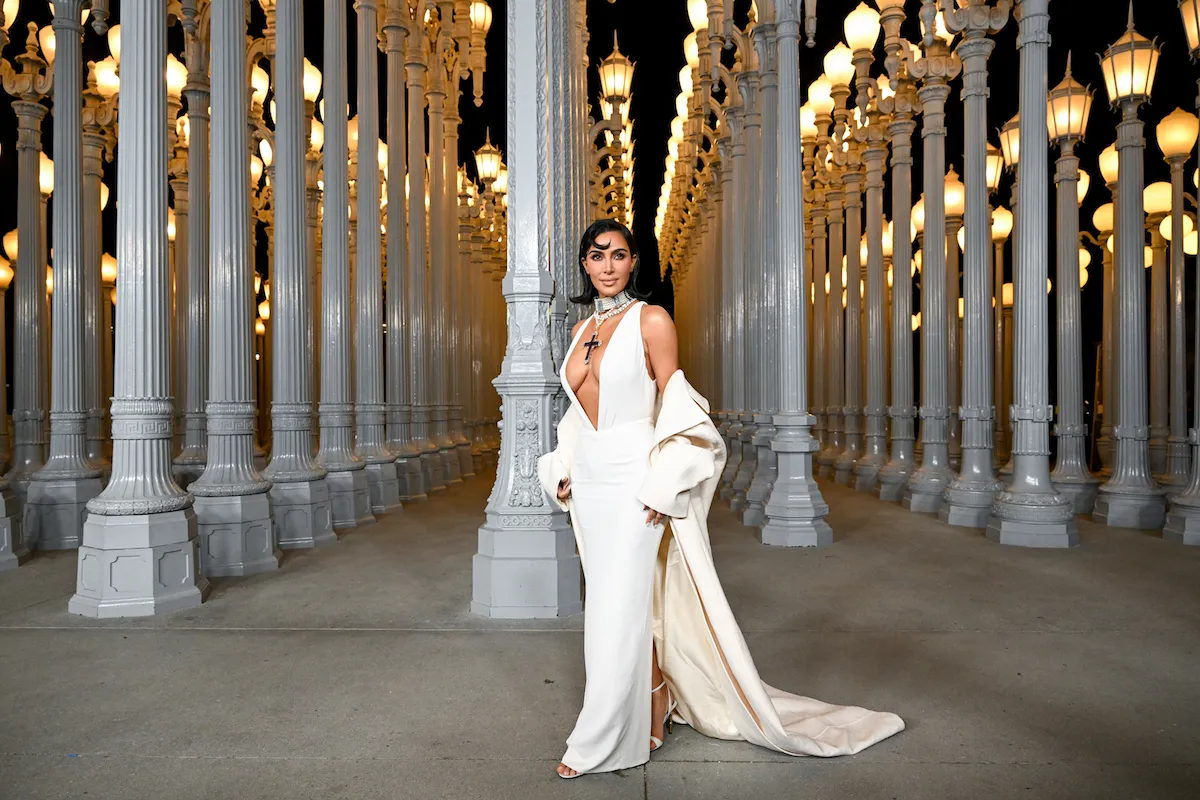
(316, 138)
(1188, 9)
(45, 174)
(1156, 198)
(1002, 224)
(918, 215)
(691, 51)
(1010, 141)
(1165, 227)
(114, 43)
(1110, 163)
(994, 167)
(1177, 133)
(1129, 66)
(1085, 258)
(1006, 295)
(698, 14)
(1068, 108)
(312, 82)
(1102, 219)
(108, 268)
(481, 17)
(956, 195)
(6, 275)
(616, 75)
(176, 77)
(862, 27)
(1081, 188)
(808, 122)
(839, 65)
(9, 9)
(259, 83)
(10, 245)
(107, 82)
(820, 96)
(47, 41)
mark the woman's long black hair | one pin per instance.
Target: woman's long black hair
(594, 232)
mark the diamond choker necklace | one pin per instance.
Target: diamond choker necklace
(617, 301)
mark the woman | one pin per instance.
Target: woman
(637, 449)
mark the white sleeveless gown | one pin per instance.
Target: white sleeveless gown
(611, 461)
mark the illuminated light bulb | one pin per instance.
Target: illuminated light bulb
(103, 196)
(108, 268)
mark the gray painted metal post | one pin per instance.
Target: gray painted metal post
(142, 521)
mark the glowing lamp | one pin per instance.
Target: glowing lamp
(956, 195)
(108, 268)
(352, 135)
(916, 322)
(962, 307)
(114, 43)
(1068, 107)
(46, 40)
(501, 185)
(1085, 258)
(884, 84)
(1006, 295)
(685, 81)
(49, 280)
(264, 150)
(264, 309)
(820, 96)
(6, 275)
(839, 65)
(170, 224)
(259, 82)
(1109, 164)
(260, 327)
(862, 27)
(317, 136)
(1129, 65)
(1165, 227)
(107, 82)
(1156, 198)
(10, 7)
(45, 174)
(698, 14)
(103, 196)
(616, 75)
(1177, 133)
(1102, 219)
(256, 169)
(1010, 141)
(1002, 224)
(176, 77)
(1191, 243)
(10, 245)
(1083, 276)
(918, 262)
(481, 17)
(487, 161)
(994, 167)
(1082, 186)
(691, 51)
(918, 215)
(312, 82)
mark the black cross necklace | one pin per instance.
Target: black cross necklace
(591, 344)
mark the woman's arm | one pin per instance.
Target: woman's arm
(662, 343)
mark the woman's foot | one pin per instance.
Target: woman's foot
(564, 771)
(659, 700)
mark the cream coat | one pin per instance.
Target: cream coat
(700, 646)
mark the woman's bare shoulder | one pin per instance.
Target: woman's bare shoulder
(656, 321)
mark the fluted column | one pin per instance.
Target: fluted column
(1071, 475)
(398, 393)
(851, 410)
(370, 446)
(233, 509)
(13, 550)
(820, 348)
(1000, 435)
(435, 95)
(58, 493)
(767, 290)
(1178, 467)
(417, 305)
(1108, 363)
(1183, 517)
(1030, 512)
(968, 498)
(142, 519)
(953, 339)
(750, 221)
(526, 565)
(346, 479)
(189, 464)
(866, 470)
(298, 490)
(795, 510)
(97, 114)
(834, 327)
(927, 484)
(1159, 362)
(733, 278)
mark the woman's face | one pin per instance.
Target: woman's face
(609, 263)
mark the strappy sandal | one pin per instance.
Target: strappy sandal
(668, 723)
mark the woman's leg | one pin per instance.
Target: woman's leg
(658, 700)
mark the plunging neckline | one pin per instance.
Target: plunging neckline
(599, 370)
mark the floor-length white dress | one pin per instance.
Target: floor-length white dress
(620, 549)
(659, 584)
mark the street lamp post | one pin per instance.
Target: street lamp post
(1069, 107)
(1131, 498)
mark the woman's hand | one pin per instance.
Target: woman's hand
(564, 489)
(653, 517)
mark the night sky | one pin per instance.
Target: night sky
(652, 33)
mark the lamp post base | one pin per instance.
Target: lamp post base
(236, 535)
(302, 513)
(1143, 510)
